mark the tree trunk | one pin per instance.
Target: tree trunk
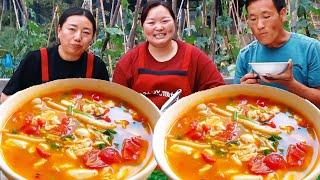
(103, 16)
(112, 9)
(25, 11)
(125, 40)
(16, 13)
(115, 14)
(174, 7)
(204, 13)
(20, 11)
(294, 14)
(2, 11)
(97, 24)
(87, 4)
(181, 21)
(106, 41)
(112, 23)
(51, 26)
(213, 29)
(132, 34)
(188, 17)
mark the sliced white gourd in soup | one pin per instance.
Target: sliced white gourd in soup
(247, 177)
(16, 143)
(82, 173)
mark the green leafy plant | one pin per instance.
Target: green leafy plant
(157, 175)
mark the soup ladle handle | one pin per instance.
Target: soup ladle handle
(170, 101)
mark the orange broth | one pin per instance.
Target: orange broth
(216, 140)
(63, 146)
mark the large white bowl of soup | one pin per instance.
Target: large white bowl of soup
(239, 132)
(77, 129)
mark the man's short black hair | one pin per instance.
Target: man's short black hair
(279, 4)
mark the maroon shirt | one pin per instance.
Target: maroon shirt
(200, 74)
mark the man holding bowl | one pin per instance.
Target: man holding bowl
(266, 19)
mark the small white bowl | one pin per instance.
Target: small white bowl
(273, 68)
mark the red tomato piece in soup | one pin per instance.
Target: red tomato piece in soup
(110, 156)
(296, 154)
(256, 165)
(96, 97)
(92, 160)
(132, 148)
(42, 153)
(229, 134)
(29, 127)
(275, 161)
(197, 132)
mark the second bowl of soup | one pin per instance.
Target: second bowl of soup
(239, 132)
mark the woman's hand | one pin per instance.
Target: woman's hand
(3, 97)
(250, 78)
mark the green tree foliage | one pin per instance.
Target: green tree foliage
(230, 36)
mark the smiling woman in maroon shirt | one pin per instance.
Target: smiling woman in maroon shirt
(69, 59)
(160, 66)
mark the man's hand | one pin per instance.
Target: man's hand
(286, 78)
(250, 78)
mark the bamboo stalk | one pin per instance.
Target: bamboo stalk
(122, 27)
(115, 14)
(25, 10)
(180, 20)
(213, 29)
(97, 23)
(22, 13)
(112, 23)
(294, 14)
(204, 14)
(102, 14)
(188, 18)
(112, 9)
(174, 7)
(51, 25)
(132, 33)
(16, 13)
(236, 21)
(2, 10)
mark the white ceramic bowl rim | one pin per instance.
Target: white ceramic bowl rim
(268, 63)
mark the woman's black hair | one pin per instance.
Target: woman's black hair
(77, 11)
(154, 3)
(279, 4)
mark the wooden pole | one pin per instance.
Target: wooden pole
(51, 25)
(21, 11)
(294, 14)
(103, 16)
(97, 24)
(174, 7)
(204, 13)
(112, 23)
(16, 13)
(2, 10)
(112, 9)
(25, 10)
(125, 40)
(132, 33)
(115, 14)
(188, 17)
(213, 29)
